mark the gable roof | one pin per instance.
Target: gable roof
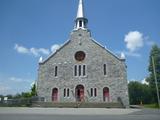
(53, 53)
(107, 50)
(68, 41)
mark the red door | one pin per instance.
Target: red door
(55, 95)
(79, 93)
(106, 94)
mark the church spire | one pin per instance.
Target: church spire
(80, 12)
(81, 21)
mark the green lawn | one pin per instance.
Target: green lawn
(150, 106)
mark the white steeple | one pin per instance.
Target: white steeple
(81, 21)
(80, 12)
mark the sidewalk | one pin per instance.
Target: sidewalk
(67, 111)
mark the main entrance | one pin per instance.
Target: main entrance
(79, 93)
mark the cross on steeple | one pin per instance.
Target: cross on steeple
(81, 21)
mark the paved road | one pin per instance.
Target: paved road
(78, 117)
(72, 114)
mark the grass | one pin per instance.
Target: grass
(150, 106)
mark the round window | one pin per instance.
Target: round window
(80, 56)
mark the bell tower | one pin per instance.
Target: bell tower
(81, 21)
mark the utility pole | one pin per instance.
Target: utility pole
(155, 77)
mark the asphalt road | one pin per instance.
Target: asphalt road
(79, 117)
(144, 114)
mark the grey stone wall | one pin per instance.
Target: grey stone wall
(96, 57)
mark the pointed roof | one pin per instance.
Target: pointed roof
(81, 21)
(80, 12)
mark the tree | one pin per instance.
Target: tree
(26, 95)
(9, 96)
(17, 96)
(33, 90)
(155, 53)
(139, 92)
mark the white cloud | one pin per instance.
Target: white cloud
(21, 49)
(55, 47)
(44, 51)
(132, 54)
(134, 40)
(128, 53)
(20, 80)
(144, 82)
(131, 80)
(14, 79)
(141, 81)
(36, 51)
(33, 51)
(40, 51)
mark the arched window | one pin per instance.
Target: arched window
(54, 94)
(106, 94)
(79, 93)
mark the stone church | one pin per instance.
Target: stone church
(82, 70)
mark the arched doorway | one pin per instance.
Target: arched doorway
(79, 93)
(106, 94)
(55, 95)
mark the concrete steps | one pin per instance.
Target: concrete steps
(77, 105)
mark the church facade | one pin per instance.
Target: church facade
(82, 70)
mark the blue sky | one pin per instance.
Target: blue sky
(33, 28)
